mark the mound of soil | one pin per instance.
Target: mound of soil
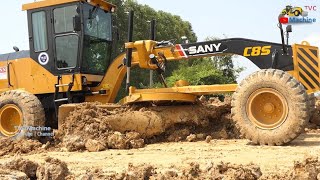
(9, 146)
(216, 124)
(191, 171)
(9, 174)
(309, 168)
(52, 169)
(315, 118)
(55, 169)
(87, 128)
(28, 167)
(92, 128)
(25, 169)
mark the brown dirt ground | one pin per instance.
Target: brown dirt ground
(202, 143)
(183, 159)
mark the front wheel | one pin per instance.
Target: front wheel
(20, 113)
(270, 107)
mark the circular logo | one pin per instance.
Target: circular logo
(43, 58)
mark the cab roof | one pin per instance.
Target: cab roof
(46, 3)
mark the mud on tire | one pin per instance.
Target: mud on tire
(294, 95)
(31, 108)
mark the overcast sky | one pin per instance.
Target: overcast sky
(253, 19)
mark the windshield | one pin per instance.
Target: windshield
(97, 40)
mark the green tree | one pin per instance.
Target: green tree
(206, 71)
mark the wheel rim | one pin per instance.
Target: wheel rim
(10, 119)
(267, 108)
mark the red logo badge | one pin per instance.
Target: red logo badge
(284, 20)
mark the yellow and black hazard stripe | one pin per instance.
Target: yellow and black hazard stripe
(307, 69)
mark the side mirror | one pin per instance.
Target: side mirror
(289, 28)
(16, 49)
(76, 23)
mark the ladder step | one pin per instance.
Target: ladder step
(60, 100)
(61, 85)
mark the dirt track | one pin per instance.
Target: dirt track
(164, 155)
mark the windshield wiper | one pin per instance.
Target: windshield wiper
(93, 13)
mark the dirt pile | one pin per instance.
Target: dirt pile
(90, 127)
(9, 146)
(220, 128)
(309, 168)
(8, 174)
(29, 168)
(216, 124)
(154, 120)
(191, 171)
(20, 168)
(52, 169)
(315, 118)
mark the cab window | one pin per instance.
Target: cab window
(67, 51)
(39, 27)
(63, 18)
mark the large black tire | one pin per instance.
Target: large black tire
(18, 107)
(293, 107)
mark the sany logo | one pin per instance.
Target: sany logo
(208, 48)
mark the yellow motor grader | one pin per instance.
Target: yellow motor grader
(69, 62)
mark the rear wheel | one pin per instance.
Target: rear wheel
(20, 110)
(270, 107)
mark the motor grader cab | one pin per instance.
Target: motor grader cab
(69, 62)
(70, 50)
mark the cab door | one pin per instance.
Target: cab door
(40, 41)
(66, 41)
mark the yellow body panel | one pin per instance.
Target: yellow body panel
(184, 93)
(26, 74)
(196, 90)
(46, 3)
(307, 66)
(154, 97)
(111, 82)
